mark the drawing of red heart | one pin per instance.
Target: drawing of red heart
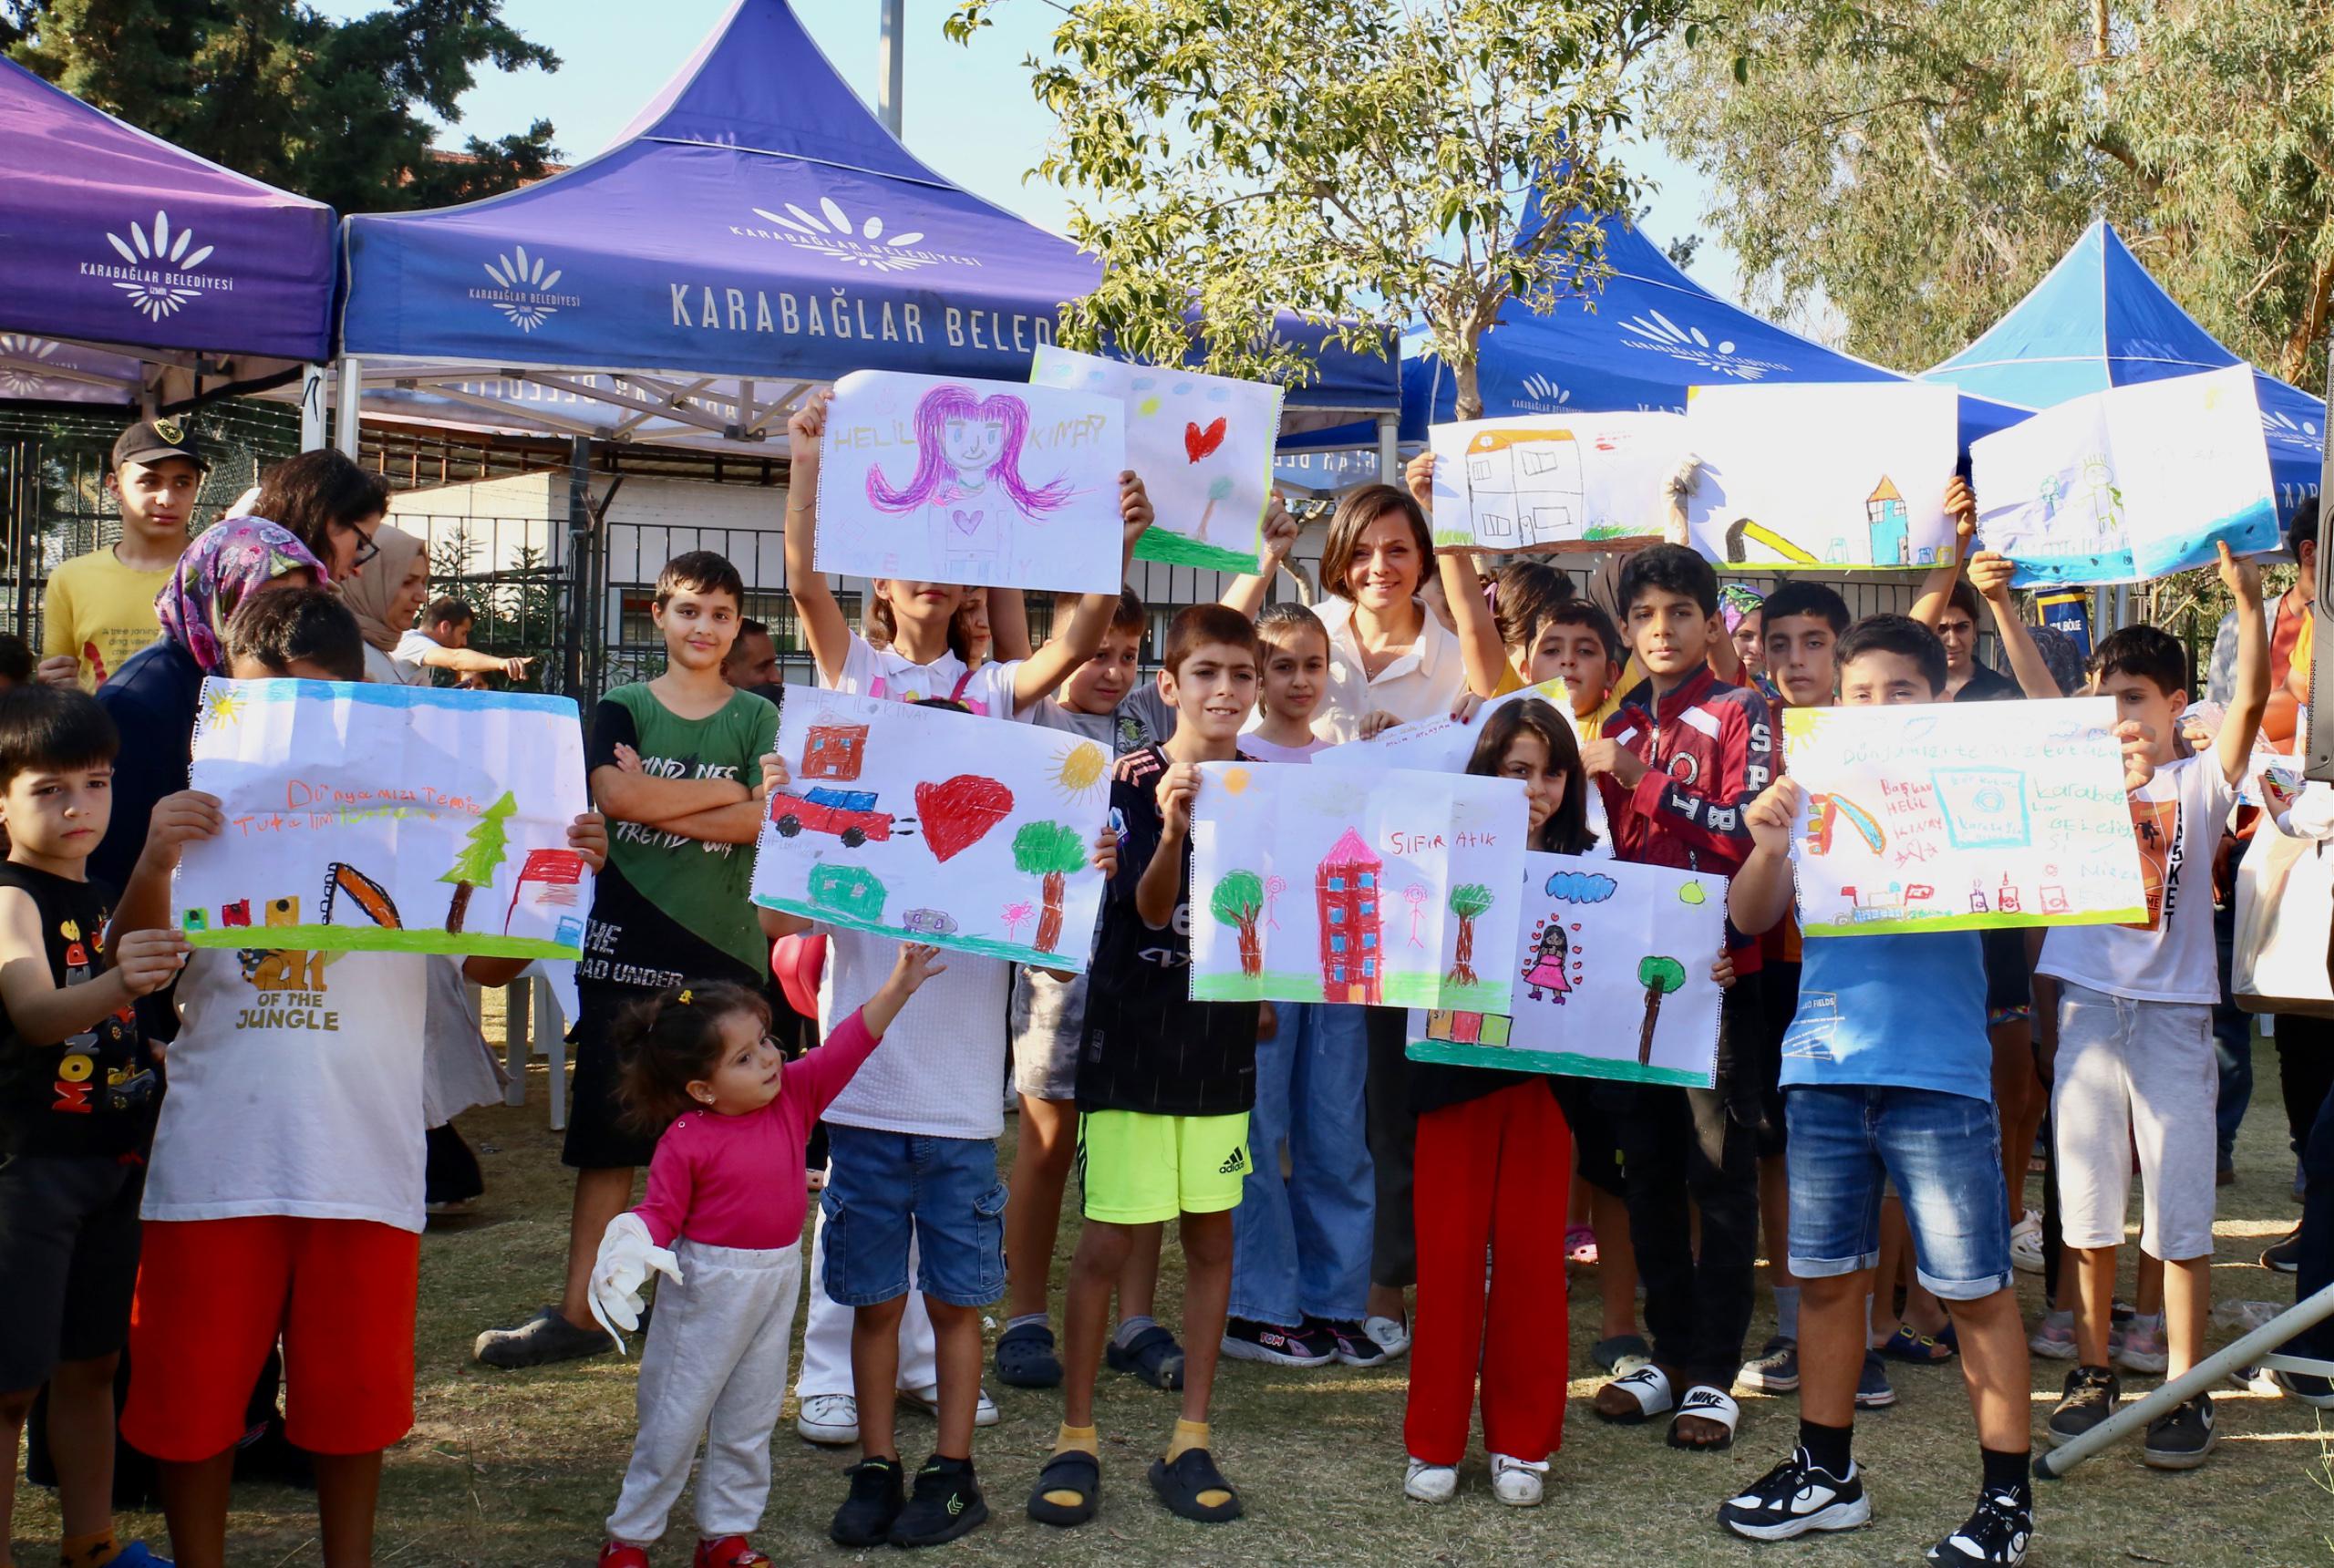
(967, 521)
(1199, 443)
(957, 813)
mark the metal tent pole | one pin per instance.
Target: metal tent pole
(344, 415)
(890, 58)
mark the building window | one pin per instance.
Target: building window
(1336, 914)
(1368, 878)
(1336, 884)
(1337, 943)
(1368, 939)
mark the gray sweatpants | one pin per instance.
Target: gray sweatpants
(715, 1368)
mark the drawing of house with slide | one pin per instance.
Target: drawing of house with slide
(1524, 486)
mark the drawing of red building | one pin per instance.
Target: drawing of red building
(1345, 892)
(835, 750)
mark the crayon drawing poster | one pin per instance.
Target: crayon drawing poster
(1822, 474)
(948, 827)
(2129, 483)
(1336, 884)
(1949, 816)
(987, 483)
(1203, 444)
(385, 819)
(1549, 481)
(1612, 978)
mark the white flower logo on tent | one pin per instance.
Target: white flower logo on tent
(19, 380)
(2282, 426)
(530, 281)
(162, 260)
(1544, 394)
(1657, 330)
(830, 231)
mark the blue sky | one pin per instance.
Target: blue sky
(969, 113)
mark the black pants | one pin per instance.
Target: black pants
(2315, 1269)
(1392, 1129)
(2305, 1072)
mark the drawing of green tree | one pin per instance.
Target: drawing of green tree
(484, 851)
(1659, 977)
(1468, 900)
(1239, 900)
(1050, 850)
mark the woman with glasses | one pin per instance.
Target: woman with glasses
(329, 504)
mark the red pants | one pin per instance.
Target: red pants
(1493, 1173)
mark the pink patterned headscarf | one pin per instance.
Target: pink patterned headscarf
(226, 563)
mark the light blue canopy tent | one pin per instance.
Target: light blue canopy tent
(754, 232)
(2099, 319)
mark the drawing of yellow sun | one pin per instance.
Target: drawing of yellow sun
(1236, 780)
(1079, 769)
(226, 705)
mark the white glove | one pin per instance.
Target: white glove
(628, 1255)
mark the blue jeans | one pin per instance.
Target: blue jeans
(1301, 1243)
(1943, 1151)
(2232, 1042)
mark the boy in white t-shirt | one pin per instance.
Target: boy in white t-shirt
(2135, 1064)
(285, 1196)
(912, 1141)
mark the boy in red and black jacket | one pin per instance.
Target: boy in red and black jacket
(1676, 765)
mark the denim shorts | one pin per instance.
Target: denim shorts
(1943, 1153)
(884, 1188)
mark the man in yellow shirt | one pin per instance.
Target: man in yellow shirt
(100, 607)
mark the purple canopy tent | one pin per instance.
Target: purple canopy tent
(755, 231)
(138, 273)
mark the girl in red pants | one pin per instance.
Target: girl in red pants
(1494, 1164)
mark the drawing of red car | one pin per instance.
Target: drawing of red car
(848, 814)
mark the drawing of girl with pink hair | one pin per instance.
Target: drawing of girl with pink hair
(968, 480)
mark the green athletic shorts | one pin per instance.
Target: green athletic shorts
(1137, 1168)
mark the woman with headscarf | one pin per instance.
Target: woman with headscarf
(153, 697)
(385, 597)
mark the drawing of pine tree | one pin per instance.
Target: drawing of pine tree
(482, 851)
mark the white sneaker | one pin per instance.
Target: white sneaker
(2025, 1243)
(927, 1399)
(1430, 1483)
(1392, 1334)
(1516, 1482)
(831, 1419)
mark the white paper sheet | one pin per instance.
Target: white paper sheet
(387, 819)
(1203, 444)
(1439, 744)
(1949, 816)
(986, 483)
(1613, 978)
(912, 822)
(1552, 482)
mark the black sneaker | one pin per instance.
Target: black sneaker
(1776, 1370)
(1795, 1498)
(1998, 1533)
(2286, 1256)
(2090, 1398)
(1245, 1339)
(1352, 1346)
(947, 1504)
(1874, 1391)
(2182, 1438)
(543, 1338)
(866, 1516)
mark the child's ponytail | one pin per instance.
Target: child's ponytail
(671, 1040)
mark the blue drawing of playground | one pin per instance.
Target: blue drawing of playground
(1984, 808)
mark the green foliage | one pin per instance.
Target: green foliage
(1468, 900)
(1361, 165)
(338, 111)
(1047, 849)
(1662, 975)
(1920, 164)
(1238, 898)
(486, 848)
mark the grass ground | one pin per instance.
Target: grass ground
(521, 1469)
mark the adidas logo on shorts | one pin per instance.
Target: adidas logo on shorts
(1236, 1166)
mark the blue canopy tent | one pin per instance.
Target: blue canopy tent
(754, 232)
(2099, 319)
(1637, 343)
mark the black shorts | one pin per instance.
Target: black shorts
(597, 1136)
(2010, 980)
(68, 1251)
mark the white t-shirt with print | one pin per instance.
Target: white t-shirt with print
(295, 1088)
(941, 1073)
(2179, 818)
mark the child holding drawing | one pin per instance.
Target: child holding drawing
(674, 762)
(723, 1222)
(912, 1140)
(286, 1195)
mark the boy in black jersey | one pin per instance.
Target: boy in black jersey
(1165, 1083)
(79, 1094)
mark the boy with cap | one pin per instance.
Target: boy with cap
(100, 607)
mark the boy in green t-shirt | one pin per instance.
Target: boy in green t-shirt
(674, 765)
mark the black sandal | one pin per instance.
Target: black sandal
(1026, 1359)
(1072, 1470)
(1180, 1484)
(1152, 1355)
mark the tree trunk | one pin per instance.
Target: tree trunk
(1049, 922)
(2306, 331)
(1200, 536)
(459, 908)
(1467, 400)
(1653, 995)
(1462, 967)
(1251, 951)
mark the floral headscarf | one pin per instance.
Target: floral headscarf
(1736, 604)
(226, 563)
